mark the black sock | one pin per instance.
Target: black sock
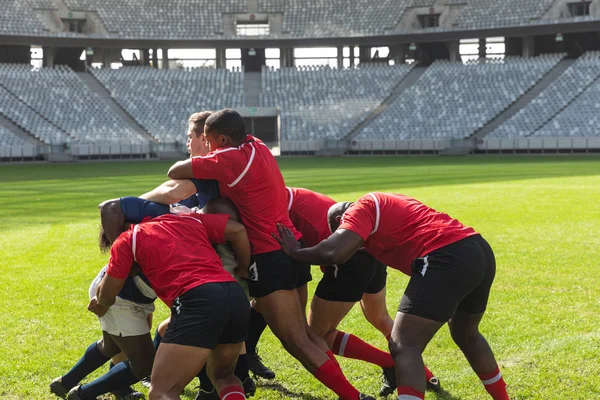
(120, 376)
(205, 383)
(241, 368)
(91, 361)
(157, 339)
(256, 328)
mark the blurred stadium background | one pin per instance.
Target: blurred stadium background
(94, 79)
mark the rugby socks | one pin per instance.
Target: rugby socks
(124, 390)
(347, 345)
(118, 377)
(428, 374)
(232, 393)
(408, 393)
(241, 368)
(91, 361)
(331, 376)
(332, 358)
(205, 383)
(157, 339)
(255, 329)
(494, 384)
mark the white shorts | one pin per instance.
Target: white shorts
(124, 318)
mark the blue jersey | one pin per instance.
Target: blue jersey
(206, 190)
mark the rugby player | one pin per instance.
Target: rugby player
(209, 310)
(125, 327)
(361, 278)
(248, 175)
(451, 267)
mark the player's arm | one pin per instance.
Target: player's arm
(237, 237)
(171, 191)
(181, 170)
(336, 249)
(108, 290)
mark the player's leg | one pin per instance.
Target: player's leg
(464, 325)
(139, 351)
(96, 355)
(255, 330)
(168, 382)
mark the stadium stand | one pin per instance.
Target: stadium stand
(454, 100)
(59, 96)
(558, 95)
(30, 121)
(162, 100)
(580, 119)
(8, 139)
(324, 103)
(493, 13)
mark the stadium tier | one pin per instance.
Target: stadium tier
(325, 103)
(454, 100)
(558, 95)
(60, 97)
(205, 19)
(7, 138)
(162, 100)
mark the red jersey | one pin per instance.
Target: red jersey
(250, 177)
(173, 251)
(398, 229)
(308, 212)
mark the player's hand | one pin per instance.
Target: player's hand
(96, 308)
(286, 239)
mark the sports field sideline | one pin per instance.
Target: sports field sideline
(540, 214)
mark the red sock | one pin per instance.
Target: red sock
(494, 384)
(347, 345)
(428, 374)
(232, 393)
(332, 377)
(408, 393)
(332, 358)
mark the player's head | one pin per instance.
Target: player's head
(224, 128)
(334, 214)
(113, 222)
(196, 141)
(222, 206)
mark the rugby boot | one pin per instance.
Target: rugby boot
(389, 382)
(249, 387)
(258, 368)
(434, 384)
(57, 388)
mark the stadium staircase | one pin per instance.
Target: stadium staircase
(554, 73)
(404, 84)
(96, 87)
(252, 88)
(18, 131)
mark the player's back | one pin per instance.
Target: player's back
(308, 212)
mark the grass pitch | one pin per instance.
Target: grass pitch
(540, 214)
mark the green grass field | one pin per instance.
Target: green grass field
(540, 214)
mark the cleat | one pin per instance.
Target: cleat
(365, 397)
(204, 395)
(74, 393)
(389, 382)
(258, 368)
(128, 394)
(434, 384)
(249, 387)
(146, 382)
(57, 388)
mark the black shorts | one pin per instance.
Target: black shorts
(275, 271)
(208, 315)
(455, 277)
(347, 282)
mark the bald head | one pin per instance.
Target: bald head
(222, 206)
(334, 215)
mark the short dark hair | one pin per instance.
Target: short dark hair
(198, 119)
(336, 210)
(222, 205)
(227, 122)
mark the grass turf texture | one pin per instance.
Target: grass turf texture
(540, 214)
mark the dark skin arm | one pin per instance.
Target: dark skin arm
(336, 249)
(236, 236)
(106, 295)
(181, 170)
